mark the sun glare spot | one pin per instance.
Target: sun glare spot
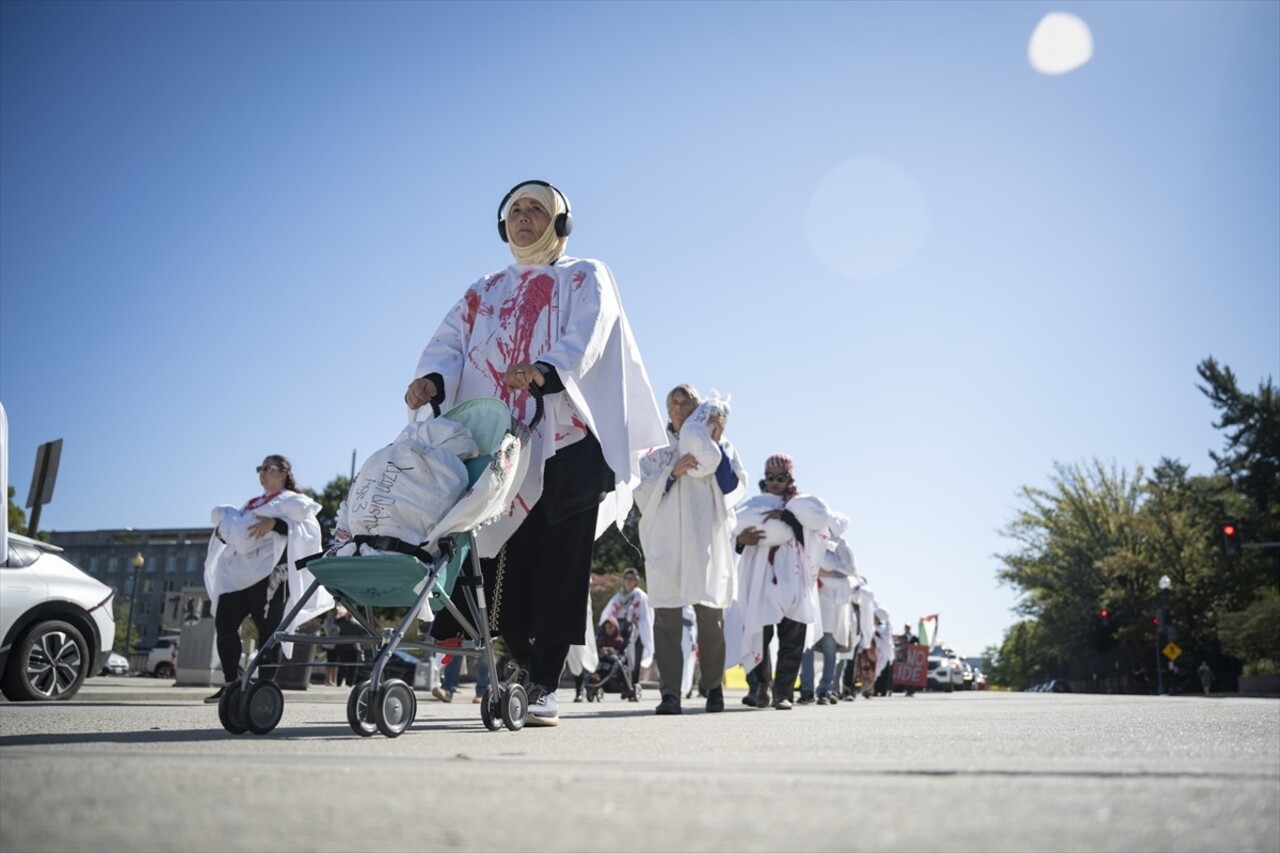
(1060, 43)
(867, 218)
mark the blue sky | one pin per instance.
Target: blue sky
(921, 268)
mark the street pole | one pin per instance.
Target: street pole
(1161, 616)
(138, 561)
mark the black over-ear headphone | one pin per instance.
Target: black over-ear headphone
(564, 221)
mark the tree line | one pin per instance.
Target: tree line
(1091, 547)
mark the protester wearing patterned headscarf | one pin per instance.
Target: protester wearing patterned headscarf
(782, 536)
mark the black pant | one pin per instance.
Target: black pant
(790, 653)
(233, 607)
(541, 610)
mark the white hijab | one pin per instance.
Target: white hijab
(548, 247)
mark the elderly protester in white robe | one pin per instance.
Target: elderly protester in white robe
(687, 522)
(686, 496)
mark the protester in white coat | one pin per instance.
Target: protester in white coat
(783, 536)
(630, 607)
(556, 323)
(251, 569)
(686, 496)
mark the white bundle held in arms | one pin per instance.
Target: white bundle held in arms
(695, 435)
(405, 489)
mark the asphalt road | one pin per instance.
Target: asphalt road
(132, 765)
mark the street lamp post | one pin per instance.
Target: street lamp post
(1162, 615)
(137, 561)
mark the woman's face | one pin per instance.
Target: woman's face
(527, 221)
(679, 407)
(271, 475)
(776, 480)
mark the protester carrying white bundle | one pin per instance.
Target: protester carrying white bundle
(686, 496)
(251, 566)
(834, 628)
(777, 583)
(555, 324)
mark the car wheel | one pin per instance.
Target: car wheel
(164, 669)
(49, 662)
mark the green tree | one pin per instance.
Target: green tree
(1251, 457)
(17, 518)
(1065, 534)
(335, 492)
(1250, 460)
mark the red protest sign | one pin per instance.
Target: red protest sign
(913, 671)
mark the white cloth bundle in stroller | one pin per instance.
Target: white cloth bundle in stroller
(440, 476)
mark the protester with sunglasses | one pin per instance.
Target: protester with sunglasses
(782, 537)
(250, 568)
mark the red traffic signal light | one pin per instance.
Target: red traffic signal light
(1229, 531)
(1105, 613)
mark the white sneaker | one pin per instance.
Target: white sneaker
(543, 710)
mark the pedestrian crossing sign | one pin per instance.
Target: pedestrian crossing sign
(1172, 651)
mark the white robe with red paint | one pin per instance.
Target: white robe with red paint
(568, 315)
(778, 577)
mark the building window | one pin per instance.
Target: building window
(93, 564)
(191, 562)
(113, 563)
(170, 563)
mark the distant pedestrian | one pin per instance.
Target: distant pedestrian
(1206, 676)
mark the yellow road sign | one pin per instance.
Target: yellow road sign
(1172, 651)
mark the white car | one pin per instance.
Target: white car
(945, 673)
(116, 665)
(56, 625)
(162, 660)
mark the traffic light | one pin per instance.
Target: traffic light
(1229, 531)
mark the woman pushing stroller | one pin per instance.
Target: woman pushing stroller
(552, 325)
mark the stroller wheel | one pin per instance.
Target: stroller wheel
(231, 711)
(359, 715)
(263, 707)
(515, 707)
(394, 707)
(489, 710)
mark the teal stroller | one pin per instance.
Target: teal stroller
(388, 572)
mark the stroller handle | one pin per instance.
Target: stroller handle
(535, 391)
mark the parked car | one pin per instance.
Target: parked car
(56, 625)
(116, 665)
(162, 660)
